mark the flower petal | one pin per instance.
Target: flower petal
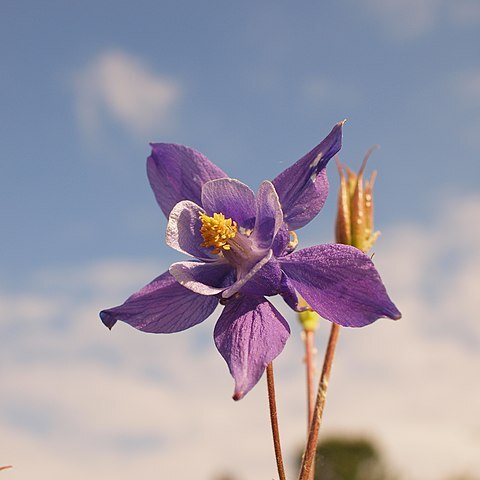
(341, 283)
(183, 230)
(162, 306)
(178, 173)
(232, 198)
(303, 187)
(249, 334)
(203, 278)
(243, 279)
(269, 216)
(281, 242)
(267, 280)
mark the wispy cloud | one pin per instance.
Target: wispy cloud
(406, 18)
(465, 90)
(465, 13)
(119, 87)
(467, 86)
(409, 19)
(319, 90)
(79, 401)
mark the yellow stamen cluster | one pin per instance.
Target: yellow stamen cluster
(216, 231)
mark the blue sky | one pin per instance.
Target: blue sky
(254, 85)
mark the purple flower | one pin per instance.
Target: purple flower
(242, 248)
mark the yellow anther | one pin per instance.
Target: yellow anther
(216, 231)
(292, 244)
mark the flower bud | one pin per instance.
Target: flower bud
(307, 317)
(354, 224)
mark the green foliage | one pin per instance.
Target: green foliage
(356, 458)
(350, 458)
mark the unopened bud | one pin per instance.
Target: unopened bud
(354, 224)
(307, 317)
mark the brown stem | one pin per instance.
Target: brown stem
(274, 422)
(5, 467)
(310, 449)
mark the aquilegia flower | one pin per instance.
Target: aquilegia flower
(243, 249)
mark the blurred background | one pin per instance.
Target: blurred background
(84, 86)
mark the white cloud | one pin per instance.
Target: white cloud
(119, 87)
(319, 90)
(79, 401)
(466, 12)
(465, 90)
(408, 19)
(467, 86)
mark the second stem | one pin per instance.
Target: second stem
(311, 448)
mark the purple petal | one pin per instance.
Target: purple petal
(267, 281)
(249, 334)
(203, 278)
(178, 173)
(269, 216)
(281, 242)
(232, 198)
(183, 230)
(243, 279)
(341, 283)
(303, 187)
(162, 306)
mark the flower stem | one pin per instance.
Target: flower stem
(311, 448)
(274, 422)
(5, 467)
(309, 338)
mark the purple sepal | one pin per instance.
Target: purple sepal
(303, 187)
(341, 283)
(178, 173)
(249, 334)
(288, 293)
(162, 306)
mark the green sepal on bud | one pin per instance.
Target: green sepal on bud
(307, 317)
(354, 223)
